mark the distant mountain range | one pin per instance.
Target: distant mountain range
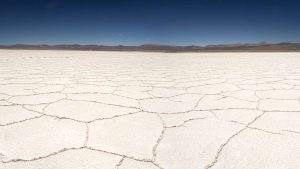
(239, 47)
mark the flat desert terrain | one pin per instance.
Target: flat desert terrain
(135, 110)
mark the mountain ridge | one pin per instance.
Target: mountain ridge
(238, 47)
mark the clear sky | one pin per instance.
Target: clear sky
(135, 22)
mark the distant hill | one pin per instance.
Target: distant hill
(240, 47)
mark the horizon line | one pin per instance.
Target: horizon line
(154, 44)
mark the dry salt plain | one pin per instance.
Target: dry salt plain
(131, 110)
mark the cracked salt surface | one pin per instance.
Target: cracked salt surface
(134, 110)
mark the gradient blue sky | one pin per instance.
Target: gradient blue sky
(135, 22)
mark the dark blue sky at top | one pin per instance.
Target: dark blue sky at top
(135, 22)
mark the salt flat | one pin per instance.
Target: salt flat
(134, 110)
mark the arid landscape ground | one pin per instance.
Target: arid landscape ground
(143, 110)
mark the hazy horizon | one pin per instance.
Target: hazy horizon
(238, 43)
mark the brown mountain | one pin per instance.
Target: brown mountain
(240, 47)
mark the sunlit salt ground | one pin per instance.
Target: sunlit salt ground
(131, 110)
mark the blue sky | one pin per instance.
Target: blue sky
(136, 22)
